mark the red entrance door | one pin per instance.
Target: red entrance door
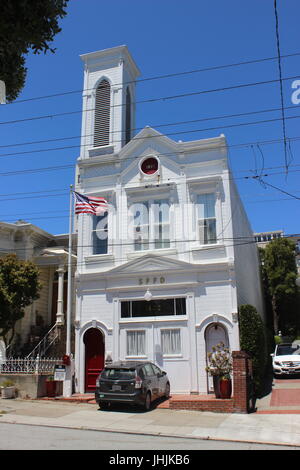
(94, 357)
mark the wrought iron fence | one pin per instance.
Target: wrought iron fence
(29, 366)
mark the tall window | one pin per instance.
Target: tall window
(102, 114)
(151, 224)
(206, 218)
(141, 226)
(100, 234)
(128, 117)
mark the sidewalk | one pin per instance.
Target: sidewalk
(256, 427)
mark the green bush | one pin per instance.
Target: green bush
(277, 339)
(253, 341)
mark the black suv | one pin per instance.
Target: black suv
(137, 383)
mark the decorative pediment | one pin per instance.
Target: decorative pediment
(148, 137)
(151, 263)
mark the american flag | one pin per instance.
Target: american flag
(90, 205)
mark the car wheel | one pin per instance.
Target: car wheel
(147, 404)
(167, 390)
(103, 406)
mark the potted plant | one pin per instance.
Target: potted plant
(50, 386)
(220, 367)
(8, 389)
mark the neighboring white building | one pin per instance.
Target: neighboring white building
(262, 238)
(50, 254)
(180, 257)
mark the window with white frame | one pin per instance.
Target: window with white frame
(171, 341)
(153, 308)
(151, 224)
(206, 215)
(100, 234)
(136, 342)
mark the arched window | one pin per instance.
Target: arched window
(102, 114)
(128, 117)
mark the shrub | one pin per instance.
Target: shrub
(253, 341)
(277, 339)
(7, 383)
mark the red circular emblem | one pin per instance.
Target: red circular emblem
(149, 166)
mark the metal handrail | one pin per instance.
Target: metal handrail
(42, 347)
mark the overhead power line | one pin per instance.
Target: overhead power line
(192, 131)
(71, 165)
(158, 77)
(152, 100)
(281, 85)
(155, 126)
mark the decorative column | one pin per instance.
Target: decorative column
(60, 297)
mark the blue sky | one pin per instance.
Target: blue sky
(164, 37)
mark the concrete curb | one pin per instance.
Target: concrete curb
(153, 434)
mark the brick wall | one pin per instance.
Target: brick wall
(238, 403)
(241, 370)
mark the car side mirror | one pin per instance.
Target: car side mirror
(163, 372)
(272, 355)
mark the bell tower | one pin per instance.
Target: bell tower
(108, 112)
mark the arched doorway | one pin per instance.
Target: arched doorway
(215, 333)
(94, 357)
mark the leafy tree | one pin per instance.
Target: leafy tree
(25, 25)
(279, 272)
(19, 287)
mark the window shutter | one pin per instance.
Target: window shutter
(102, 114)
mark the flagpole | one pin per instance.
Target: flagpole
(68, 381)
(69, 304)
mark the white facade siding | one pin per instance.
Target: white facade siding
(207, 275)
(247, 273)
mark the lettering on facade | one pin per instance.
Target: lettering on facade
(151, 280)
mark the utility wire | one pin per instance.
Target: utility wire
(193, 131)
(193, 121)
(159, 255)
(278, 189)
(168, 182)
(281, 86)
(152, 100)
(170, 75)
(63, 167)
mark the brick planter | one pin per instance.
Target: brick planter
(201, 403)
(237, 404)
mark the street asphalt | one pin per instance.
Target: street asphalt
(272, 428)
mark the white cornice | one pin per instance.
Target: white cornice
(111, 53)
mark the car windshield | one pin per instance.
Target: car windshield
(117, 374)
(287, 349)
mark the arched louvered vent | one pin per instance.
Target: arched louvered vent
(128, 117)
(102, 114)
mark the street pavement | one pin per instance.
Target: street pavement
(260, 427)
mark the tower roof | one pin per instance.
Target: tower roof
(116, 52)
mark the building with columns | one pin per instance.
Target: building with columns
(161, 274)
(50, 253)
